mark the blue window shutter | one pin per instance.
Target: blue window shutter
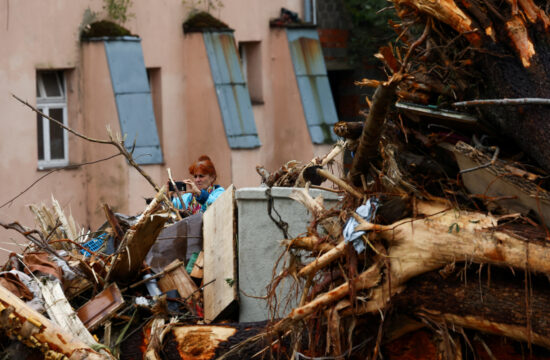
(231, 90)
(133, 99)
(311, 75)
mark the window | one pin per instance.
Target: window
(52, 139)
(153, 77)
(251, 62)
(233, 97)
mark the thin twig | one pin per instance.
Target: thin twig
(39, 242)
(519, 101)
(51, 172)
(118, 143)
(490, 163)
(60, 123)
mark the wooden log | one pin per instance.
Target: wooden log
(366, 279)
(311, 243)
(370, 137)
(19, 321)
(493, 304)
(419, 246)
(324, 259)
(519, 38)
(314, 206)
(213, 341)
(349, 129)
(341, 183)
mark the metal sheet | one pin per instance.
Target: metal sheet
(231, 90)
(137, 121)
(306, 52)
(311, 76)
(133, 99)
(127, 66)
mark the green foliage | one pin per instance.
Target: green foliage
(117, 10)
(202, 5)
(370, 27)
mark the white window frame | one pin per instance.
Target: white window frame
(44, 103)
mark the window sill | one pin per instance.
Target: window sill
(57, 166)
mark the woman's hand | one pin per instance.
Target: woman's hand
(192, 187)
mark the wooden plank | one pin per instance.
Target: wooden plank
(140, 240)
(220, 257)
(198, 267)
(101, 308)
(62, 313)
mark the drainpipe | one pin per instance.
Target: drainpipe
(307, 11)
(314, 11)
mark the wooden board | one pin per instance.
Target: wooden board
(198, 267)
(178, 279)
(220, 257)
(140, 242)
(62, 313)
(101, 307)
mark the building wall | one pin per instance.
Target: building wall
(44, 34)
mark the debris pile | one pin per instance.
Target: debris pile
(437, 249)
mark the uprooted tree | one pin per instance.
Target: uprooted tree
(446, 264)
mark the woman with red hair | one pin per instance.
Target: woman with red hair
(201, 190)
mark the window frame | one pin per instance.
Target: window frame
(44, 103)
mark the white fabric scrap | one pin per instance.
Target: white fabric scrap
(37, 302)
(68, 274)
(367, 212)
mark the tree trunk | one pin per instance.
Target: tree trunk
(494, 304)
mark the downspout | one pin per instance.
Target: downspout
(314, 11)
(307, 11)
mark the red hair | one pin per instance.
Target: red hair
(203, 166)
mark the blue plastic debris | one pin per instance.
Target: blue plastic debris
(94, 244)
(367, 212)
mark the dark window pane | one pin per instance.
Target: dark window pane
(57, 149)
(51, 84)
(37, 87)
(40, 136)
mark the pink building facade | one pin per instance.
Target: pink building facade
(179, 114)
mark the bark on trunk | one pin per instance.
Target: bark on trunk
(494, 304)
(370, 137)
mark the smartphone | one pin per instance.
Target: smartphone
(180, 185)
